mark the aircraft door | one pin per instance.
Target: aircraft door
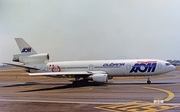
(91, 67)
(159, 66)
(128, 68)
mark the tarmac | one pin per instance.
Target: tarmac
(22, 93)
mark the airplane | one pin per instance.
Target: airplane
(84, 71)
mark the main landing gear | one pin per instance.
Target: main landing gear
(149, 80)
(78, 81)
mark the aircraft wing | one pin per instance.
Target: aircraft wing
(22, 66)
(66, 73)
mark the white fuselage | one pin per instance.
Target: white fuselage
(132, 67)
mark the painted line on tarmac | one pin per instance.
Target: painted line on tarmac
(170, 94)
(77, 102)
(46, 101)
(90, 89)
(136, 106)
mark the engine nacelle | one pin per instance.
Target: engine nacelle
(35, 58)
(99, 77)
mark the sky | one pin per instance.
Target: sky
(92, 29)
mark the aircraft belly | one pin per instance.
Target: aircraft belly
(141, 74)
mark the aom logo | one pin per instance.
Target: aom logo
(148, 66)
(26, 49)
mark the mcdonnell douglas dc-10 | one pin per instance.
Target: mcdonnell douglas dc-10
(97, 71)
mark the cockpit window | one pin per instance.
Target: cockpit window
(167, 64)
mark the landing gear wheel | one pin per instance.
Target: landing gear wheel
(149, 82)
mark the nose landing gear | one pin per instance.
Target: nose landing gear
(149, 80)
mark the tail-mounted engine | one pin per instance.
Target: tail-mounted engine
(33, 58)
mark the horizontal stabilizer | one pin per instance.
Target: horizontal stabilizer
(22, 66)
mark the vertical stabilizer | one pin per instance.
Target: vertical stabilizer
(24, 46)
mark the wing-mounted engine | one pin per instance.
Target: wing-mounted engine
(34, 58)
(99, 77)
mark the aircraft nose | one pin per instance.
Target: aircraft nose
(173, 67)
(169, 67)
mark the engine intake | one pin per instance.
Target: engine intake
(99, 77)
